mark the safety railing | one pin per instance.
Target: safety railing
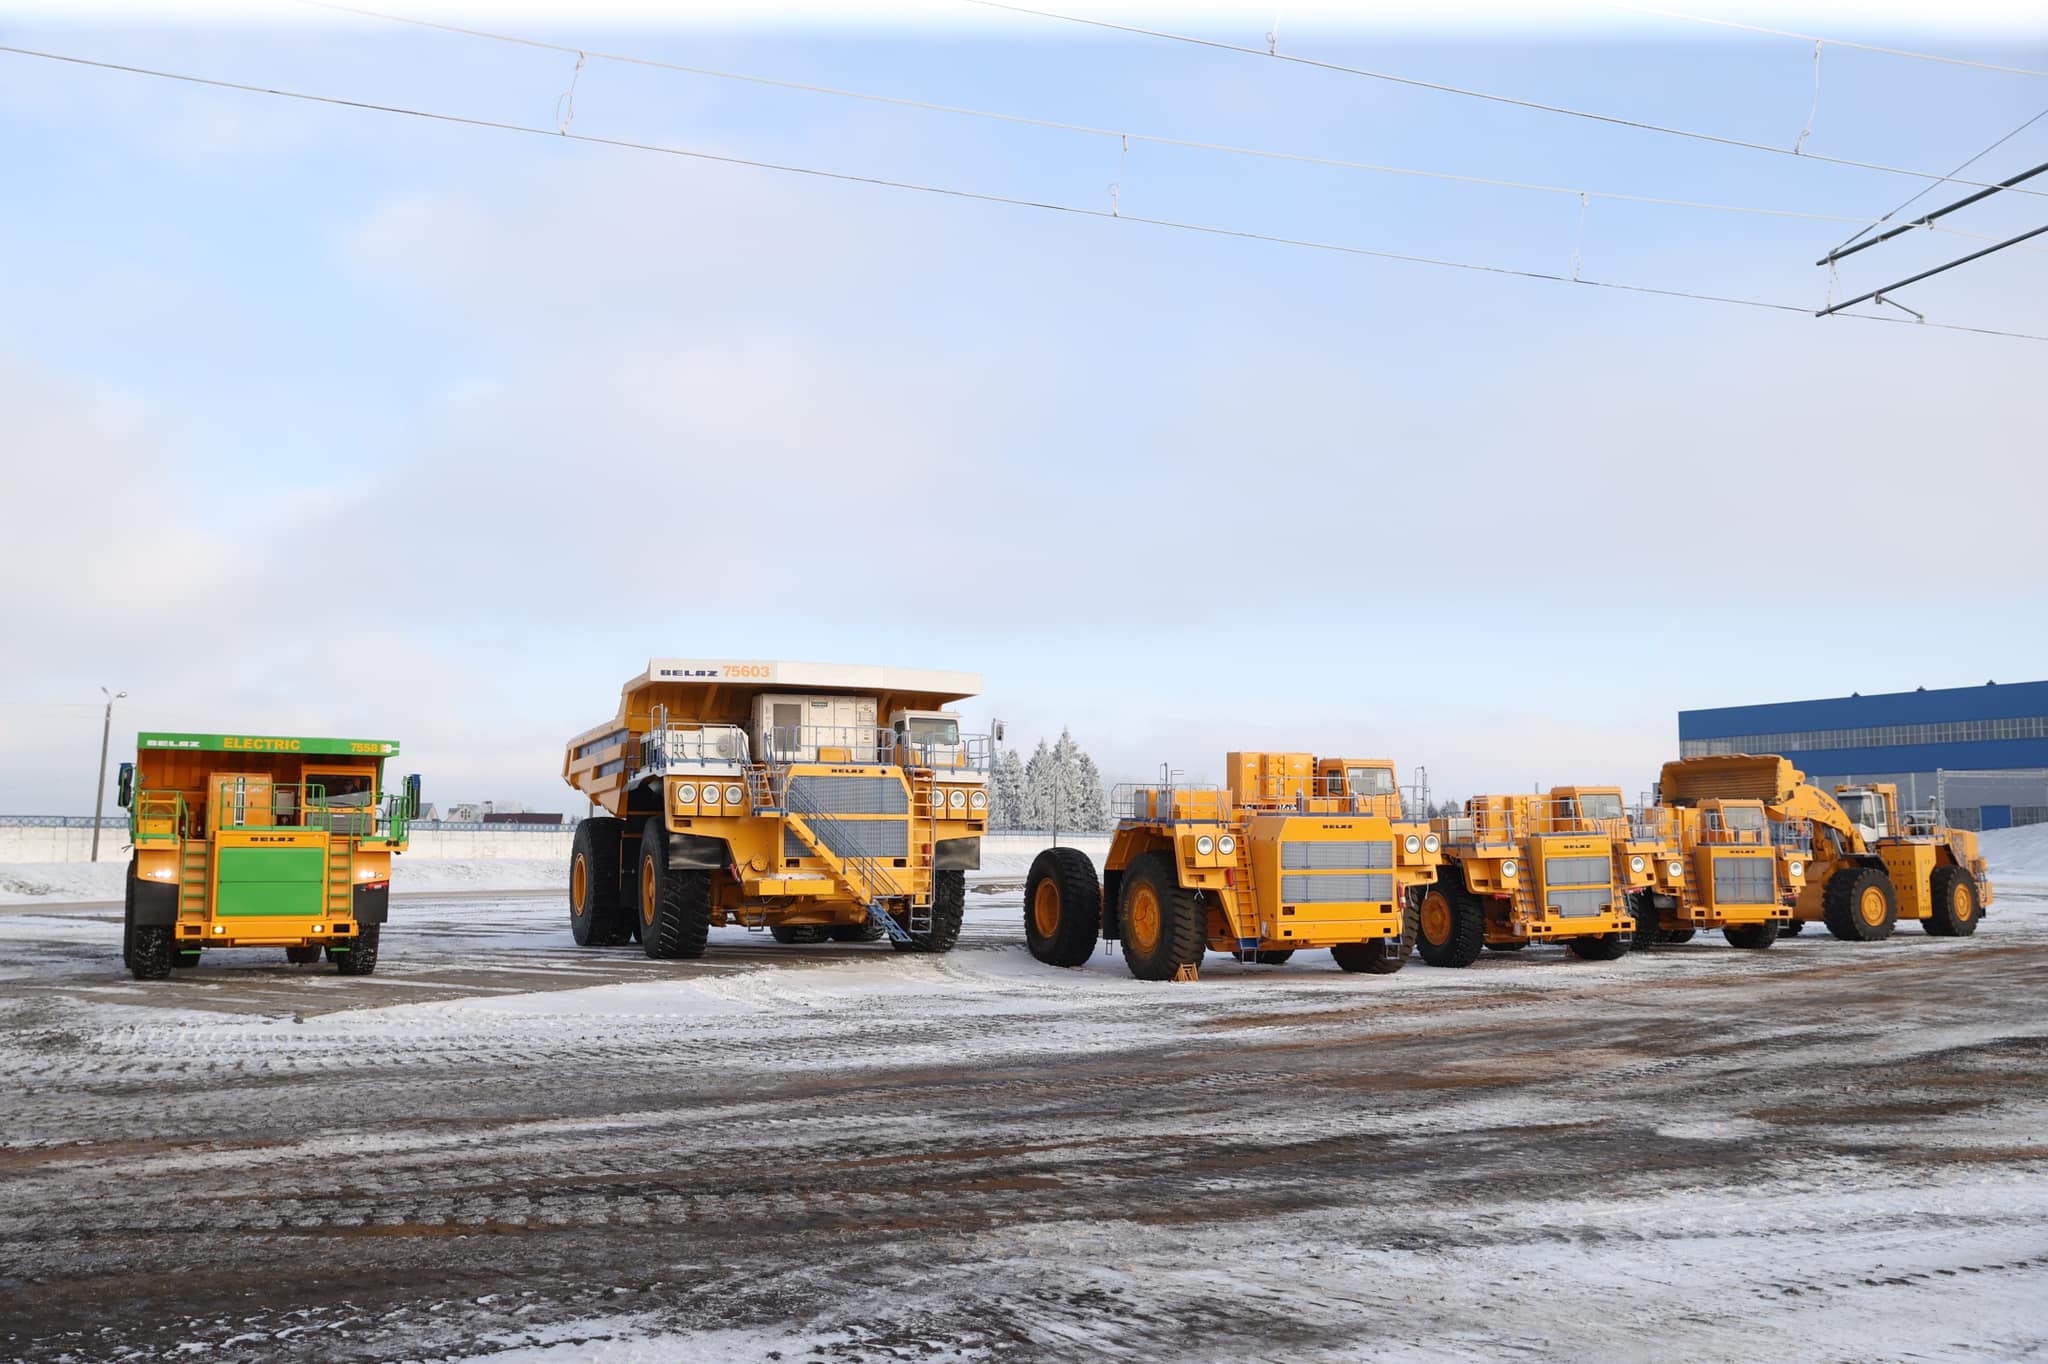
(1792, 835)
(782, 745)
(1151, 802)
(1747, 828)
(159, 817)
(685, 744)
(1923, 823)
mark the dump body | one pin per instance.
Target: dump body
(1523, 869)
(814, 800)
(1292, 852)
(246, 840)
(1853, 859)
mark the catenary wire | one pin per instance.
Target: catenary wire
(1831, 42)
(1926, 190)
(1058, 125)
(952, 192)
(1515, 101)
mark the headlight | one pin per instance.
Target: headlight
(1676, 869)
(1205, 845)
(1797, 868)
(1507, 868)
(1431, 844)
(710, 795)
(1226, 845)
(959, 799)
(686, 794)
(732, 794)
(1413, 844)
(979, 800)
(938, 798)
(1636, 864)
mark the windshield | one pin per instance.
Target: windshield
(1600, 805)
(1864, 807)
(934, 729)
(1371, 781)
(1746, 818)
(338, 788)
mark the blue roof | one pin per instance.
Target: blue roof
(2000, 702)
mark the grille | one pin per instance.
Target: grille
(1367, 855)
(1358, 888)
(1744, 881)
(863, 837)
(1577, 871)
(850, 795)
(1580, 904)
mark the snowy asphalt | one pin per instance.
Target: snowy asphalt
(502, 1147)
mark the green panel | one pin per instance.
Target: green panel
(270, 743)
(271, 881)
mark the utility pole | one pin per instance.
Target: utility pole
(99, 799)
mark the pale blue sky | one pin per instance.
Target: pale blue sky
(320, 420)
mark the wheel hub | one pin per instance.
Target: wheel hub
(1045, 908)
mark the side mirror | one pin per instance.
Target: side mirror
(997, 733)
(412, 796)
(124, 785)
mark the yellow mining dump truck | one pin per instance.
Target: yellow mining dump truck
(1866, 863)
(1292, 853)
(1517, 870)
(1722, 862)
(818, 801)
(260, 840)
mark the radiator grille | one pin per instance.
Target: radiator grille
(849, 795)
(1580, 904)
(1744, 881)
(1365, 855)
(1577, 871)
(1358, 888)
(865, 837)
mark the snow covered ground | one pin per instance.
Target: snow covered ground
(502, 1148)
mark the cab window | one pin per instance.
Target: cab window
(934, 729)
(1371, 781)
(1746, 819)
(1600, 805)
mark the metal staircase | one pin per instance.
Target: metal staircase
(864, 876)
(341, 874)
(192, 859)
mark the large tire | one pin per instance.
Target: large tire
(149, 953)
(1677, 935)
(1165, 926)
(1792, 929)
(1062, 907)
(675, 906)
(1956, 904)
(1598, 947)
(1754, 937)
(598, 913)
(797, 933)
(361, 957)
(184, 958)
(866, 931)
(1372, 957)
(1450, 922)
(1649, 932)
(1507, 946)
(949, 911)
(303, 956)
(1859, 905)
(1272, 956)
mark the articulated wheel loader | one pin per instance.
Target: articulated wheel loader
(1292, 853)
(1521, 869)
(260, 840)
(820, 802)
(1869, 863)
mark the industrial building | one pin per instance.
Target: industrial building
(1980, 753)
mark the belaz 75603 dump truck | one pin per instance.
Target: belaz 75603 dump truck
(245, 840)
(1293, 853)
(818, 801)
(1523, 869)
(1872, 863)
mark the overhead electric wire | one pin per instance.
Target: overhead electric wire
(1514, 101)
(1926, 190)
(1030, 121)
(1831, 42)
(944, 191)
(1879, 294)
(1927, 219)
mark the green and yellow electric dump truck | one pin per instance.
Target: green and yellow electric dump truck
(258, 840)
